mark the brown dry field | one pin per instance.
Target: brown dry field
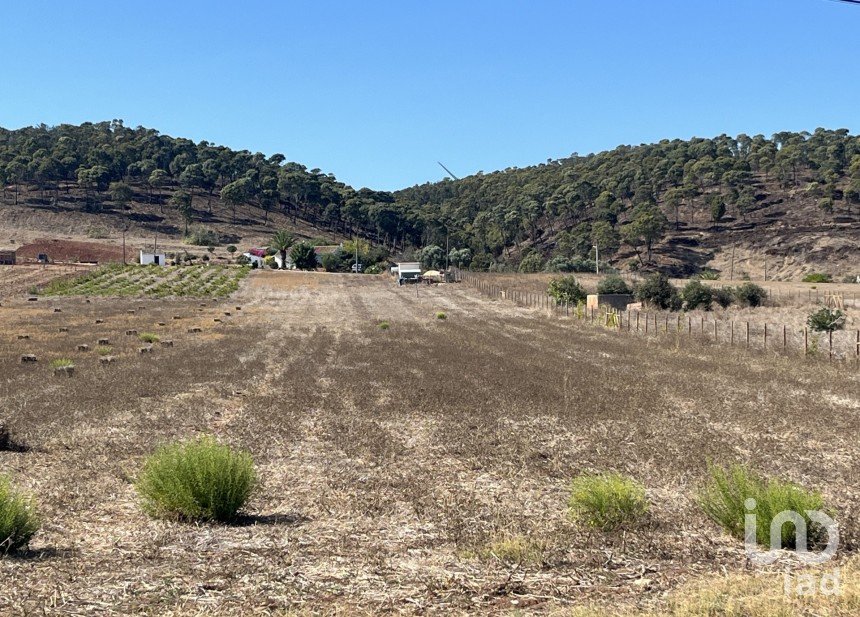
(394, 461)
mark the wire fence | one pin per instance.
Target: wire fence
(841, 346)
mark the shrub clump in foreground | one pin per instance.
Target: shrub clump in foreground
(441, 315)
(199, 480)
(606, 501)
(18, 519)
(724, 498)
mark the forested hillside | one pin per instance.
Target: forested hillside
(676, 204)
(782, 203)
(112, 169)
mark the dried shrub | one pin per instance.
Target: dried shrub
(18, 519)
(199, 480)
(607, 500)
(8, 442)
(512, 550)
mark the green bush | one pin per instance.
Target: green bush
(723, 296)
(441, 315)
(606, 501)
(304, 256)
(104, 350)
(373, 269)
(148, 337)
(62, 363)
(531, 263)
(613, 284)
(750, 294)
(697, 295)
(18, 519)
(566, 289)
(817, 277)
(384, 325)
(658, 291)
(199, 480)
(724, 497)
(826, 319)
(709, 275)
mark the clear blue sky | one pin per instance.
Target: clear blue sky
(377, 92)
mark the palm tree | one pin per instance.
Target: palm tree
(282, 242)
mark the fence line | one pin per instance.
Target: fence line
(844, 348)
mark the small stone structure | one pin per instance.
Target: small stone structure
(617, 302)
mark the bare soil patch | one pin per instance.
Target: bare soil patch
(391, 459)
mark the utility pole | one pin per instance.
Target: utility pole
(447, 252)
(732, 270)
(596, 260)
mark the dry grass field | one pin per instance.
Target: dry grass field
(424, 468)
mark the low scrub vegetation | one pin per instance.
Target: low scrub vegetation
(441, 315)
(724, 500)
(567, 290)
(62, 363)
(826, 319)
(149, 337)
(383, 325)
(200, 480)
(607, 501)
(750, 294)
(613, 284)
(512, 550)
(817, 277)
(697, 295)
(657, 291)
(18, 519)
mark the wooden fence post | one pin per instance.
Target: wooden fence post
(829, 339)
(765, 336)
(646, 323)
(732, 326)
(637, 321)
(783, 338)
(805, 340)
(748, 335)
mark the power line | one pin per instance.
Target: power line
(847, 1)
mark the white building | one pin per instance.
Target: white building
(149, 258)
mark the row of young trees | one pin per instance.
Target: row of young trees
(629, 195)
